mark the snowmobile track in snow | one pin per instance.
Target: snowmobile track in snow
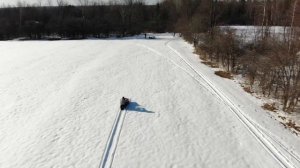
(251, 126)
(112, 142)
(257, 131)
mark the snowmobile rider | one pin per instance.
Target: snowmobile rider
(124, 103)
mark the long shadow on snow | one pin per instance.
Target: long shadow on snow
(135, 107)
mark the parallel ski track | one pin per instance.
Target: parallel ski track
(251, 126)
(260, 134)
(257, 131)
(113, 139)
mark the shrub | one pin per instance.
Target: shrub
(223, 74)
(269, 107)
(211, 64)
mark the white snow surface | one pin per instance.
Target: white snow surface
(60, 108)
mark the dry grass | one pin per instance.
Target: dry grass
(292, 125)
(281, 117)
(213, 65)
(202, 54)
(224, 74)
(248, 89)
(203, 57)
(269, 107)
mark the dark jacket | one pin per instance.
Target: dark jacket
(124, 103)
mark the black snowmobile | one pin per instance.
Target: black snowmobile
(124, 103)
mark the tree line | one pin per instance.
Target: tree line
(133, 17)
(96, 20)
(270, 61)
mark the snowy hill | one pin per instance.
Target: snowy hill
(60, 108)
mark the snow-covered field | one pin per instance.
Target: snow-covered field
(60, 108)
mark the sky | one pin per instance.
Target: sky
(53, 2)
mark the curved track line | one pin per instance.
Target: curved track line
(263, 131)
(258, 134)
(173, 62)
(210, 89)
(113, 139)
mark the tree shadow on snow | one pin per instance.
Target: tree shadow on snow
(135, 107)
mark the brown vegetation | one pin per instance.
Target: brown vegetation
(292, 125)
(224, 74)
(247, 89)
(281, 117)
(270, 63)
(210, 64)
(269, 107)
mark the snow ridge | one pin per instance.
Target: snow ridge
(246, 121)
(112, 142)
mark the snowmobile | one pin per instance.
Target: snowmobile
(124, 103)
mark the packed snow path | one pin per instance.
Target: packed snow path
(59, 101)
(112, 142)
(250, 125)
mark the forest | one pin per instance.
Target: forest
(270, 61)
(133, 17)
(76, 22)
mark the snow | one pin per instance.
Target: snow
(250, 33)
(60, 108)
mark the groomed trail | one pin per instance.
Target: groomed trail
(250, 125)
(112, 142)
(60, 105)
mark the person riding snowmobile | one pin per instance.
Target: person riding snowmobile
(124, 103)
